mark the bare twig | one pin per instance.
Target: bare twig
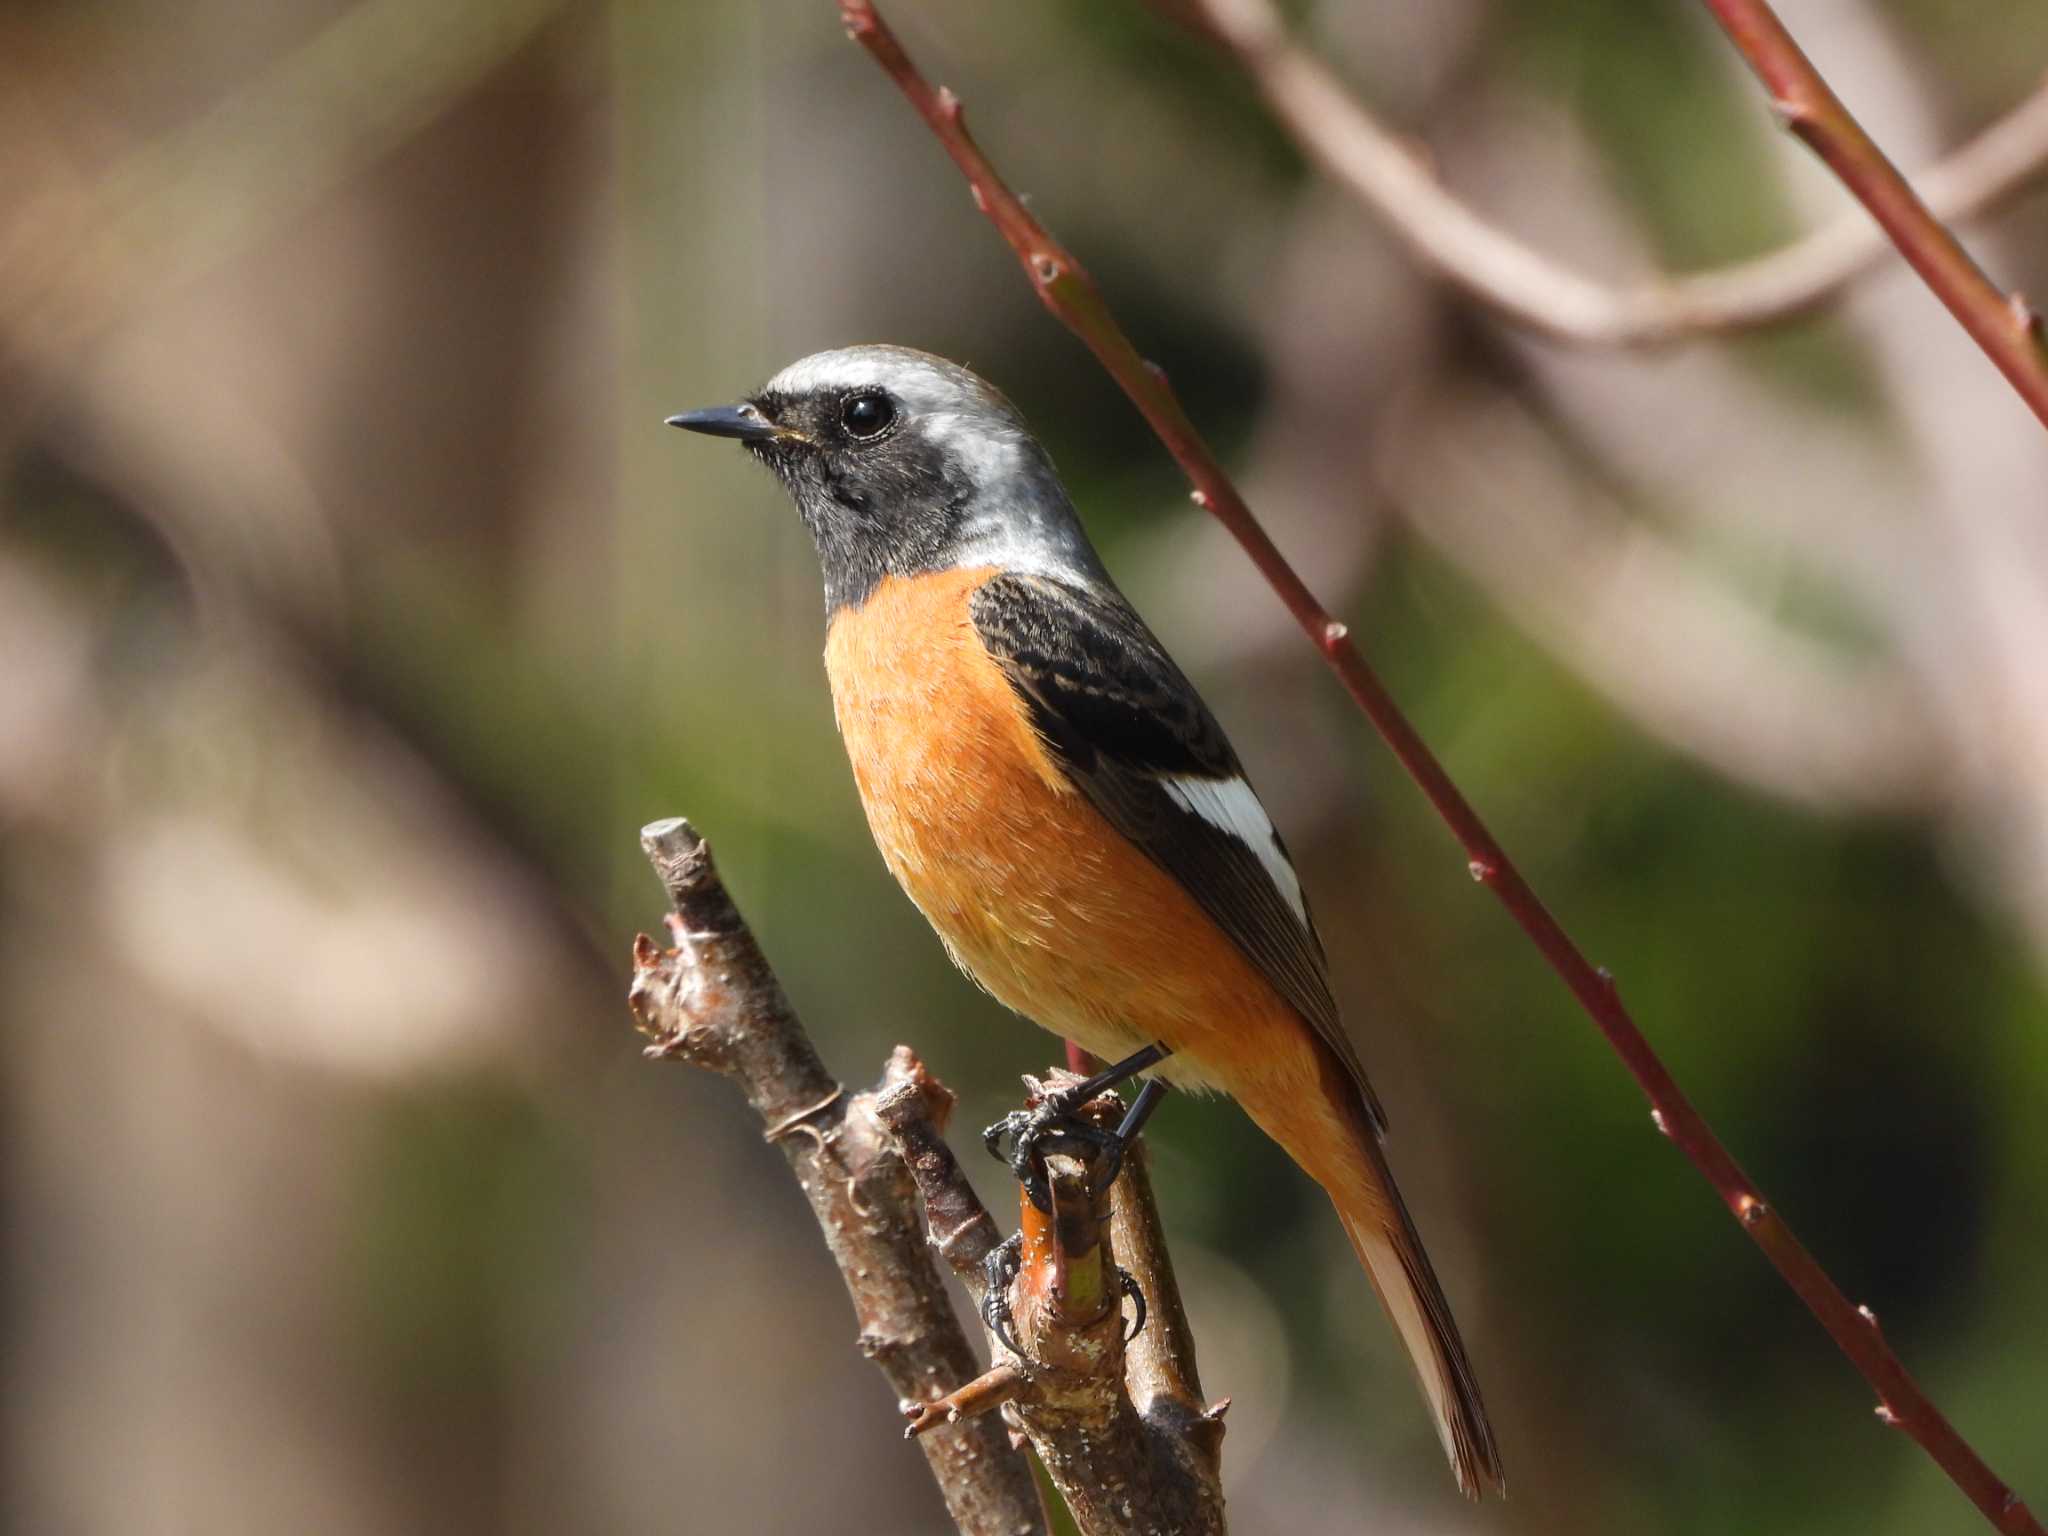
(962, 1230)
(714, 1002)
(1132, 1473)
(1386, 173)
(1159, 1364)
(987, 1392)
(2004, 325)
(1121, 1431)
(1066, 289)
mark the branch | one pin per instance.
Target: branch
(1121, 1430)
(1159, 1364)
(2004, 325)
(1522, 284)
(1161, 1368)
(1065, 288)
(713, 1001)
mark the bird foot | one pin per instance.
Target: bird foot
(999, 1272)
(1055, 1125)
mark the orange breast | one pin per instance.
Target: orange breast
(1036, 896)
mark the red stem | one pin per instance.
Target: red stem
(2005, 325)
(1066, 289)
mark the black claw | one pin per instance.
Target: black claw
(998, 1271)
(1111, 1162)
(1018, 1128)
(1128, 1284)
(1009, 1125)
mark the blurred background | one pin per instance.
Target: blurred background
(356, 610)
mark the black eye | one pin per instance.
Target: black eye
(867, 415)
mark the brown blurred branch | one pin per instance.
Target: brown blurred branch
(2004, 325)
(79, 256)
(1065, 288)
(1674, 647)
(84, 249)
(1390, 177)
(713, 1001)
(1121, 1429)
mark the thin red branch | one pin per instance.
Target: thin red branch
(1066, 289)
(2005, 325)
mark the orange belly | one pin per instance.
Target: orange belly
(1035, 894)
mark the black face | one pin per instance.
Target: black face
(878, 496)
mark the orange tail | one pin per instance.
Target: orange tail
(1391, 1251)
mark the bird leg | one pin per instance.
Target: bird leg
(1054, 1125)
(1127, 1130)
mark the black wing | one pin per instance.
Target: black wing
(1135, 737)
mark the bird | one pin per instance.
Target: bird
(1052, 793)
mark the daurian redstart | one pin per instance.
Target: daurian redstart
(1054, 795)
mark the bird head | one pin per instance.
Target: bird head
(901, 463)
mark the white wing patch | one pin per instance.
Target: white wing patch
(1230, 806)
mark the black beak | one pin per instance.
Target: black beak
(742, 421)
